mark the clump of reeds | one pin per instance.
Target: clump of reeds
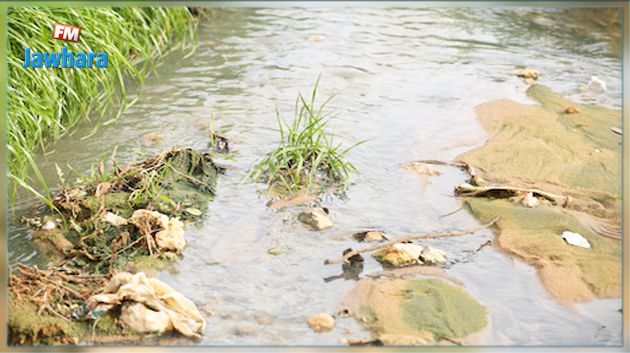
(45, 103)
(307, 158)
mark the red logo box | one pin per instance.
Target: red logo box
(66, 32)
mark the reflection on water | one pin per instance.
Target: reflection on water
(407, 80)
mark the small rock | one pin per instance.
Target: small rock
(374, 237)
(530, 200)
(114, 219)
(264, 319)
(321, 322)
(152, 137)
(400, 254)
(431, 256)
(571, 110)
(48, 225)
(316, 218)
(370, 236)
(575, 239)
(528, 73)
(581, 125)
(245, 330)
(274, 251)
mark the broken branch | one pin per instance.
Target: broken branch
(350, 254)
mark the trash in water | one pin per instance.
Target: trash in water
(148, 305)
(169, 232)
(114, 219)
(530, 200)
(575, 239)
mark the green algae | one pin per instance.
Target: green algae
(442, 309)
(422, 311)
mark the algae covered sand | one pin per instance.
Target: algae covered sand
(416, 311)
(575, 155)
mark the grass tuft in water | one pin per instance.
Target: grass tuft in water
(307, 157)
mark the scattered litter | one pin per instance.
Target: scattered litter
(400, 254)
(114, 219)
(149, 305)
(170, 231)
(316, 218)
(530, 200)
(48, 225)
(321, 322)
(431, 256)
(576, 239)
(616, 130)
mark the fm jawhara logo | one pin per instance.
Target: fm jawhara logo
(65, 59)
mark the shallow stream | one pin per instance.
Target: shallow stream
(407, 81)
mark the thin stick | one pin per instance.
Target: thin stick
(451, 213)
(350, 254)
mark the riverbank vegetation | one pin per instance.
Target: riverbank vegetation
(44, 104)
(111, 224)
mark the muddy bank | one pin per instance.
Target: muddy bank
(102, 235)
(565, 149)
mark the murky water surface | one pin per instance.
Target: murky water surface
(406, 80)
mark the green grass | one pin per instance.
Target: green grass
(44, 104)
(307, 157)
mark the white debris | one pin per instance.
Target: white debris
(48, 225)
(431, 256)
(172, 236)
(114, 219)
(530, 200)
(149, 305)
(575, 239)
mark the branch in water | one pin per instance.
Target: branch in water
(350, 254)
